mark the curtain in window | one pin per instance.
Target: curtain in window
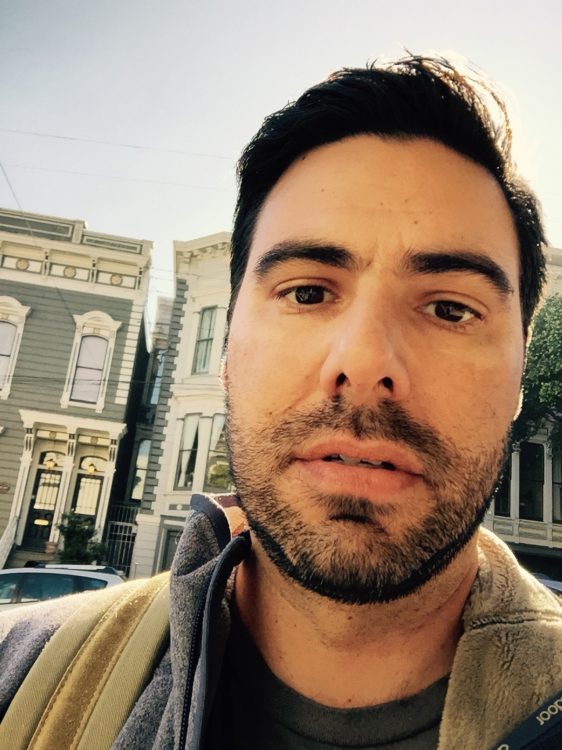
(89, 369)
(188, 452)
(204, 343)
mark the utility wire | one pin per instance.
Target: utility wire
(29, 229)
(116, 143)
(119, 177)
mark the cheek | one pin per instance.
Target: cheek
(473, 400)
(274, 371)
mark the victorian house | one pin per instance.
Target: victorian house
(188, 449)
(71, 317)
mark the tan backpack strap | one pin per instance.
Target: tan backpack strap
(123, 629)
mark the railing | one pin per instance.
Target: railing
(7, 540)
(121, 531)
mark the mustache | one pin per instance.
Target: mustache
(388, 421)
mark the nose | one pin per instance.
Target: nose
(366, 359)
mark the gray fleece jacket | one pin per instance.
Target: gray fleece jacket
(507, 668)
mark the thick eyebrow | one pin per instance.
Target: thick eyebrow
(330, 255)
(470, 262)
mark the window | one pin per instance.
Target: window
(557, 487)
(90, 360)
(531, 480)
(88, 485)
(37, 587)
(204, 341)
(188, 452)
(88, 374)
(170, 546)
(502, 497)
(157, 382)
(8, 585)
(7, 338)
(12, 320)
(140, 470)
(217, 473)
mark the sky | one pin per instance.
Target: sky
(130, 114)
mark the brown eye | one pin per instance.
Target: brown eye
(308, 295)
(451, 312)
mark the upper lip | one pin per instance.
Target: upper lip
(378, 451)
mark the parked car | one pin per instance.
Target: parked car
(22, 586)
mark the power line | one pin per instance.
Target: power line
(29, 229)
(116, 143)
(118, 177)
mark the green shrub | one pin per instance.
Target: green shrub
(79, 544)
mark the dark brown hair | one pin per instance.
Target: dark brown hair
(415, 97)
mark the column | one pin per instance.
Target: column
(547, 491)
(514, 489)
(218, 340)
(62, 499)
(106, 488)
(21, 482)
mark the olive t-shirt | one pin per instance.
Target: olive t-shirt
(256, 711)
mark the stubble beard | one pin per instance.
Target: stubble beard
(366, 561)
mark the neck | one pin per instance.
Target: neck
(354, 655)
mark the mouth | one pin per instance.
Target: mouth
(363, 462)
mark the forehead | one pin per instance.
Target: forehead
(385, 196)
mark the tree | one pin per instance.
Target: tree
(542, 384)
(79, 544)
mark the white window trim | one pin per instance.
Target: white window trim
(12, 311)
(95, 323)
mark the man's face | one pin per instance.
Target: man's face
(374, 364)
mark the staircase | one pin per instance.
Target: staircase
(19, 556)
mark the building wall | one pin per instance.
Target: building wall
(42, 364)
(202, 282)
(58, 272)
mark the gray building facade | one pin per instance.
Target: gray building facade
(71, 314)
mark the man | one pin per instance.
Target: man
(386, 265)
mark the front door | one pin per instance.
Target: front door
(41, 509)
(87, 495)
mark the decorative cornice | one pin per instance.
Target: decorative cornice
(74, 425)
(202, 248)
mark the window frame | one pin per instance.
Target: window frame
(557, 487)
(204, 341)
(196, 417)
(140, 470)
(13, 313)
(214, 456)
(532, 483)
(102, 325)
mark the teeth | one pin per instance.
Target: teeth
(349, 461)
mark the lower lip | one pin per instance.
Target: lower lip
(372, 483)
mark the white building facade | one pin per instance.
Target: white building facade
(188, 444)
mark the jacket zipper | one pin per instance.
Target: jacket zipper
(194, 650)
(231, 556)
